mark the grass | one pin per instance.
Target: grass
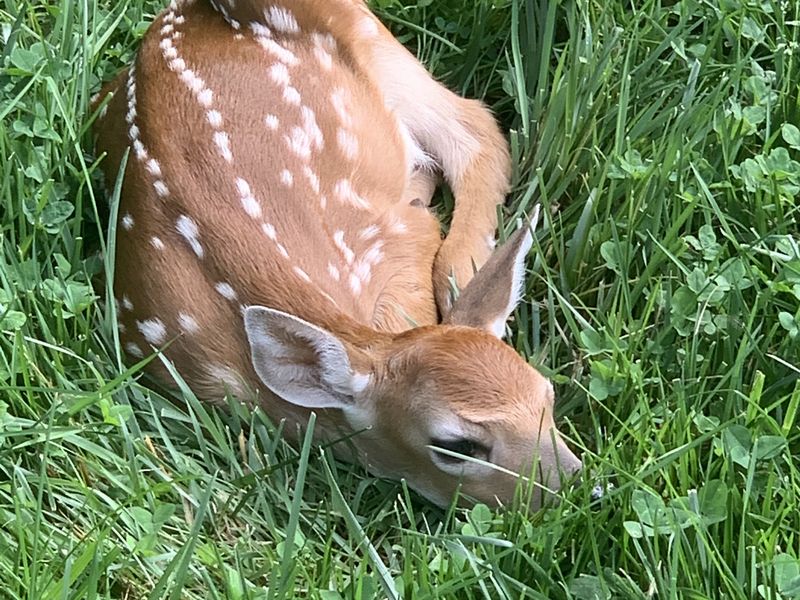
(664, 301)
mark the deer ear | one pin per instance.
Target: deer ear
(300, 362)
(494, 292)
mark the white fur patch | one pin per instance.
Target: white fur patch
(187, 227)
(347, 195)
(269, 231)
(348, 143)
(272, 122)
(134, 350)
(223, 143)
(161, 189)
(153, 331)
(249, 202)
(279, 73)
(333, 271)
(369, 232)
(154, 168)
(292, 96)
(274, 49)
(128, 222)
(226, 291)
(188, 324)
(302, 274)
(214, 119)
(347, 252)
(339, 101)
(313, 178)
(282, 20)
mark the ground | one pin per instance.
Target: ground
(664, 300)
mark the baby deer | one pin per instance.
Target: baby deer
(275, 234)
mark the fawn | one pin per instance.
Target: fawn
(275, 234)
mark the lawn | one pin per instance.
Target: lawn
(661, 139)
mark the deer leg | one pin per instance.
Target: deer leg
(468, 146)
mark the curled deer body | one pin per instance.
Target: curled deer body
(274, 227)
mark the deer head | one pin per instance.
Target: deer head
(440, 406)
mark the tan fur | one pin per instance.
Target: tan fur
(420, 373)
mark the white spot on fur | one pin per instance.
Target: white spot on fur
(395, 225)
(339, 102)
(272, 122)
(127, 222)
(292, 96)
(269, 231)
(127, 304)
(348, 143)
(355, 284)
(333, 271)
(324, 58)
(299, 143)
(192, 81)
(281, 19)
(311, 127)
(190, 232)
(161, 189)
(369, 232)
(223, 143)
(346, 194)
(363, 270)
(260, 30)
(178, 65)
(134, 350)
(312, 177)
(139, 150)
(347, 252)
(206, 98)
(302, 274)
(279, 73)
(226, 291)
(157, 243)
(374, 255)
(188, 324)
(276, 50)
(214, 119)
(283, 251)
(249, 203)
(287, 178)
(153, 331)
(153, 168)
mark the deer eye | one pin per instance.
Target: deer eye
(464, 446)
